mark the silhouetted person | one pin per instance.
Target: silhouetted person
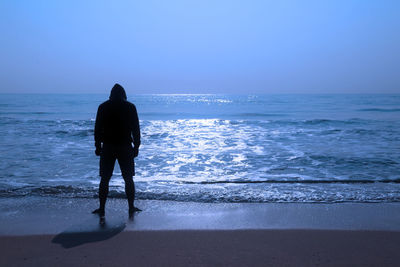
(116, 128)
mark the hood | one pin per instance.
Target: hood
(117, 93)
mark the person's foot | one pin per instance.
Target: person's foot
(133, 210)
(100, 212)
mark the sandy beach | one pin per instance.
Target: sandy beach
(210, 248)
(61, 232)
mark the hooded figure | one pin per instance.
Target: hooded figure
(117, 93)
(117, 120)
(116, 129)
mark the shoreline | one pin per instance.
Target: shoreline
(49, 215)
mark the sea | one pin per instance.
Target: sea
(290, 148)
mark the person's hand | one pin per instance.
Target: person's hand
(135, 152)
(97, 151)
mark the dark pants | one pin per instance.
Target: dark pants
(124, 154)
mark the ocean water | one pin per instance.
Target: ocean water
(210, 148)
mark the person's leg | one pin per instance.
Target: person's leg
(103, 191)
(126, 164)
(107, 162)
(130, 191)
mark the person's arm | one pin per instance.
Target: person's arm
(98, 130)
(135, 132)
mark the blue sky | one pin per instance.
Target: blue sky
(216, 46)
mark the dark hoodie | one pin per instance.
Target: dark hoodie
(117, 121)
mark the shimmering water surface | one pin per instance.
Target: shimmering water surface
(214, 148)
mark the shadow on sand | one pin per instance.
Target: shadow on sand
(89, 231)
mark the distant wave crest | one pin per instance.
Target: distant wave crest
(380, 109)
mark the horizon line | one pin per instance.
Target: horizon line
(183, 94)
